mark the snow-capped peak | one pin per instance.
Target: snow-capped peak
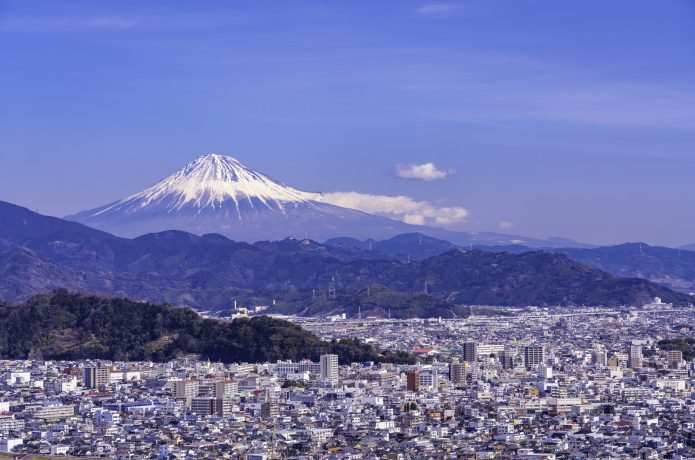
(214, 180)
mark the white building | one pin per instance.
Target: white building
(429, 380)
(8, 444)
(17, 378)
(330, 370)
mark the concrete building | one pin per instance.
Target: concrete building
(413, 380)
(533, 356)
(96, 377)
(330, 370)
(635, 357)
(470, 352)
(457, 373)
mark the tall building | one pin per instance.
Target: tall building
(599, 357)
(184, 389)
(635, 357)
(457, 373)
(470, 352)
(413, 380)
(96, 377)
(674, 358)
(506, 359)
(533, 356)
(330, 370)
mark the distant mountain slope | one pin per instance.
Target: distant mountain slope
(534, 278)
(218, 194)
(69, 326)
(207, 272)
(688, 247)
(404, 246)
(674, 268)
(18, 224)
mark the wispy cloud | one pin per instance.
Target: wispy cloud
(398, 207)
(66, 23)
(426, 172)
(438, 8)
(609, 104)
(149, 20)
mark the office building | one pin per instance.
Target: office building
(533, 356)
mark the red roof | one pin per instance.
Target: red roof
(423, 350)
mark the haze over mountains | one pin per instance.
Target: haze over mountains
(218, 194)
(674, 268)
(41, 253)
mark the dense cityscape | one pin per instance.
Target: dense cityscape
(347, 230)
(532, 384)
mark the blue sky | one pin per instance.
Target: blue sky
(572, 119)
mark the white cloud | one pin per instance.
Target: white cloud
(504, 225)
(426, 171)
(396, 207)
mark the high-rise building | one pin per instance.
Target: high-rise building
(97, 377)
(635, 357)
(674, 358)
(330, 370)
(457, 373)
(533, 356)
(506, 359)
(184, 389)
(599, 357)
(470, 352)
(413, 380)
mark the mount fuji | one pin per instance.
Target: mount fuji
(217, 194)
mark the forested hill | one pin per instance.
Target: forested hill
(71, 326)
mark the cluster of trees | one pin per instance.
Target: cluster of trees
(72, 326)
(686, 345)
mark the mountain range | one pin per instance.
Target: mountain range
(41, 253)
(674, 268)
(217, 194)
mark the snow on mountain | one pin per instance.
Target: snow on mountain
(218, 194)
(213, 181)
